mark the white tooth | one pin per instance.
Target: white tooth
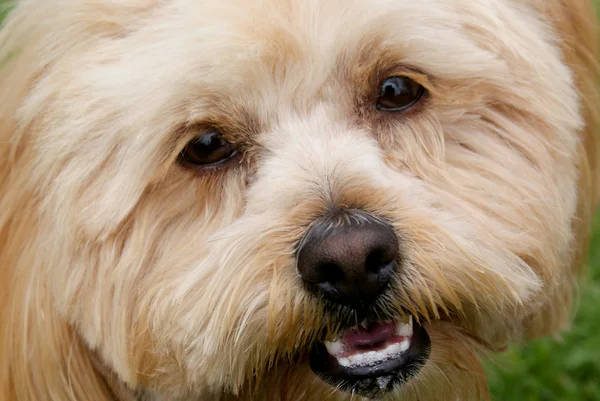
(366, 360)
(404, 345)
(383, 381)
(334, 348)
(365, 324)
(344, 362)
(372, 356)
(392, 348)
(405, 330)
(357, 359)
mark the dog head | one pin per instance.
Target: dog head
(288, 198)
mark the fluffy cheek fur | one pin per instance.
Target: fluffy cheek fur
(185, 283)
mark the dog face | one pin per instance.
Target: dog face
(286, 198)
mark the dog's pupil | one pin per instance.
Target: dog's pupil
(208, 143)
(208, 148)
(398, 93)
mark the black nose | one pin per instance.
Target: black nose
(348, 257)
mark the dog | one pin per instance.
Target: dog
(288, 200)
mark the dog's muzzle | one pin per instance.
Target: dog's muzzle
(349, 258)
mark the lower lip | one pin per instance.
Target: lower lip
(374, 377)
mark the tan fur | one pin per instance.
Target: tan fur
(124, 276)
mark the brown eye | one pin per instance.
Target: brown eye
(208, 149)
(399, 93)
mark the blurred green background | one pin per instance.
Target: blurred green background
(547, 370)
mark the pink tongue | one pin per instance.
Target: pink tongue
(375, 334)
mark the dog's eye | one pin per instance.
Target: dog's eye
(399, 93)
(208, 149)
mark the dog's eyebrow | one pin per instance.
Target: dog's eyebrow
(237, 123)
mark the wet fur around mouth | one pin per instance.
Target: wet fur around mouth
(374, 380)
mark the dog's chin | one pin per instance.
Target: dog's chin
(372, 359)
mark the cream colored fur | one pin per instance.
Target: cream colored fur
(124, 276)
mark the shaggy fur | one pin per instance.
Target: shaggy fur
(125, 276)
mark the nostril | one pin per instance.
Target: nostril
(330, 273)
(378, 260)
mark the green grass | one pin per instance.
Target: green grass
(3, 8)
(546, 370)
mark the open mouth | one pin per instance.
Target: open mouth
(374, 358)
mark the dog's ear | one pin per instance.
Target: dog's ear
(580, 35)
(41, 357)
(578, 32)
